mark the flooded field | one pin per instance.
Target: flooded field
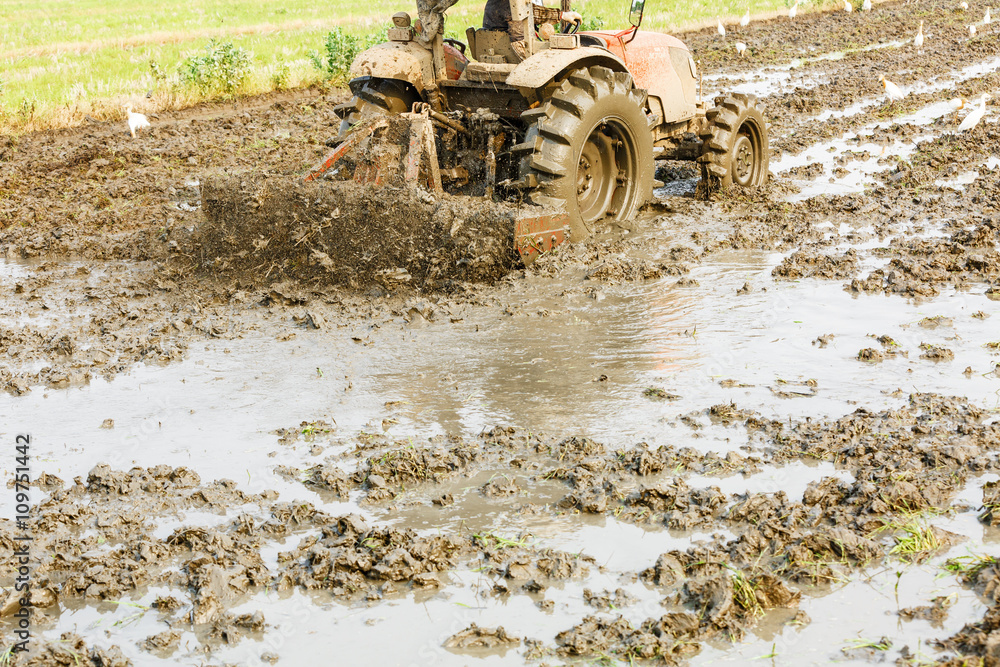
(761, 429)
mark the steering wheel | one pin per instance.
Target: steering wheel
(570, 27)
(455, 43)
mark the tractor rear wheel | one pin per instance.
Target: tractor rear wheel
(735, 149)
(589, 150)
(373, 97)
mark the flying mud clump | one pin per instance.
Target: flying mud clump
(270, 228)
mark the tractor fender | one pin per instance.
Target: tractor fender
(545, 66)
(405, 61)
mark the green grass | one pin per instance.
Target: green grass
(491, 540)
(968, 567)
(60, 61)
(882, 644)
(745, 594)
(914, 538)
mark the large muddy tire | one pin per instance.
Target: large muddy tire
(588, 150)
(375, 96)
(735, 148)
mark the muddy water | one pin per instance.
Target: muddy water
(564, 357)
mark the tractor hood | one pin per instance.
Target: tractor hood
(616, 39)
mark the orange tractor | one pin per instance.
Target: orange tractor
(571, 122)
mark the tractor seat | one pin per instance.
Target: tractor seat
(491, 46)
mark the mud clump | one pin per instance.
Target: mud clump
(477, 637)
(870, 355)
(267, 228)
(631, 269)
(807, 264)
(70, 650)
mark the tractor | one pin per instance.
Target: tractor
(571, 122)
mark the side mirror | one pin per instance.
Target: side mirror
(635, 12)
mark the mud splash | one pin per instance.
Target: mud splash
(264, 228)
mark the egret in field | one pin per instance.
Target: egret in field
(866, 6)
(918, 41)
(972, 31)
(964, 5)
(891, 89)
(848, 7)
(986, 17)
(136, 121)
(745, 21)
(741, 49)
(721, 28)
(794, 10)
(957, 103)
(976, 115)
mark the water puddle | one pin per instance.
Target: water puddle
(967, 177)
(776, 79)
(936, 85)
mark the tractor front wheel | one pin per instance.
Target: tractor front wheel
(373, 97)
(735, 148)
(588, 150)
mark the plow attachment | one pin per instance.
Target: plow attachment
(400, 151)
(263, 228)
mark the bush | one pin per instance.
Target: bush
(279, 78)
(223, 67)
(341, 50)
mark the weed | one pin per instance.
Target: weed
(315, 428)
(279, 78)
(882, 644)
(772, 654)
(222, 68)
(26, 110)
(341, 49)
(967, 567)
(915, 538)
(595, 22)
(491, 540)
(156, 71)
(745, 594)
(659, 394)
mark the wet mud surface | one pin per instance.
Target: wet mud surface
(758, 428)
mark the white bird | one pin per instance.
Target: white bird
(964, 6)
(721, 28)
(794, 10)
(741, 49)
(972, 31)
(866, 6)
(986, 17)
(745, 21)
(976, 115)
(848, 7)
(918, 41)
(136, 121)
(891, 89)
(957, 103)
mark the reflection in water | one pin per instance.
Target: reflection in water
(565, 363)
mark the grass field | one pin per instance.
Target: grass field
(61, 61)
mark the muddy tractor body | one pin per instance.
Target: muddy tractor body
(571, 122)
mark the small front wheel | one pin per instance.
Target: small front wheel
(373, 97)
(735, 147)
